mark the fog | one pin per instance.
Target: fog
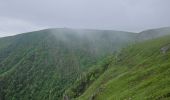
(18, 16)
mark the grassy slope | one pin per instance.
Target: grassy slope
(41, 65)
(141, 72)
(154, 33)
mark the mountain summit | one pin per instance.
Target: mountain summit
(48, 64)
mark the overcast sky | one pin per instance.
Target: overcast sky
(17, 16)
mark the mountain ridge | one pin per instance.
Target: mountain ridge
(44, 64)
(139, 75)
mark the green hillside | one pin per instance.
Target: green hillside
(62, 63)
(41, 65)
(140, 72)
(153, 33)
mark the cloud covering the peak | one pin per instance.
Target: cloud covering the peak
(17, 16)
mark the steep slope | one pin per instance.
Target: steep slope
(44, 65)
(41, 65)
(153, 33)
(140, 72)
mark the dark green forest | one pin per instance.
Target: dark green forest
(62, 63)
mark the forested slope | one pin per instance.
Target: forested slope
(75, 63)
(140, 72)
(41, 65)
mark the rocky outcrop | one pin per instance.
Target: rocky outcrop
(165, 48)
(65, 97)
(93, 96)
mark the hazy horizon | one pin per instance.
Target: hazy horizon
(124, 15)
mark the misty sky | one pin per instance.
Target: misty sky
(17, 16)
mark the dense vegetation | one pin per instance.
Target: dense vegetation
(139, 72)
(41, 65)
(82, 64)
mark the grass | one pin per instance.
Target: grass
(41, 65)
(142, 73)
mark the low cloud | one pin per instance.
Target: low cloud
(126, 15)
(11, 26)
